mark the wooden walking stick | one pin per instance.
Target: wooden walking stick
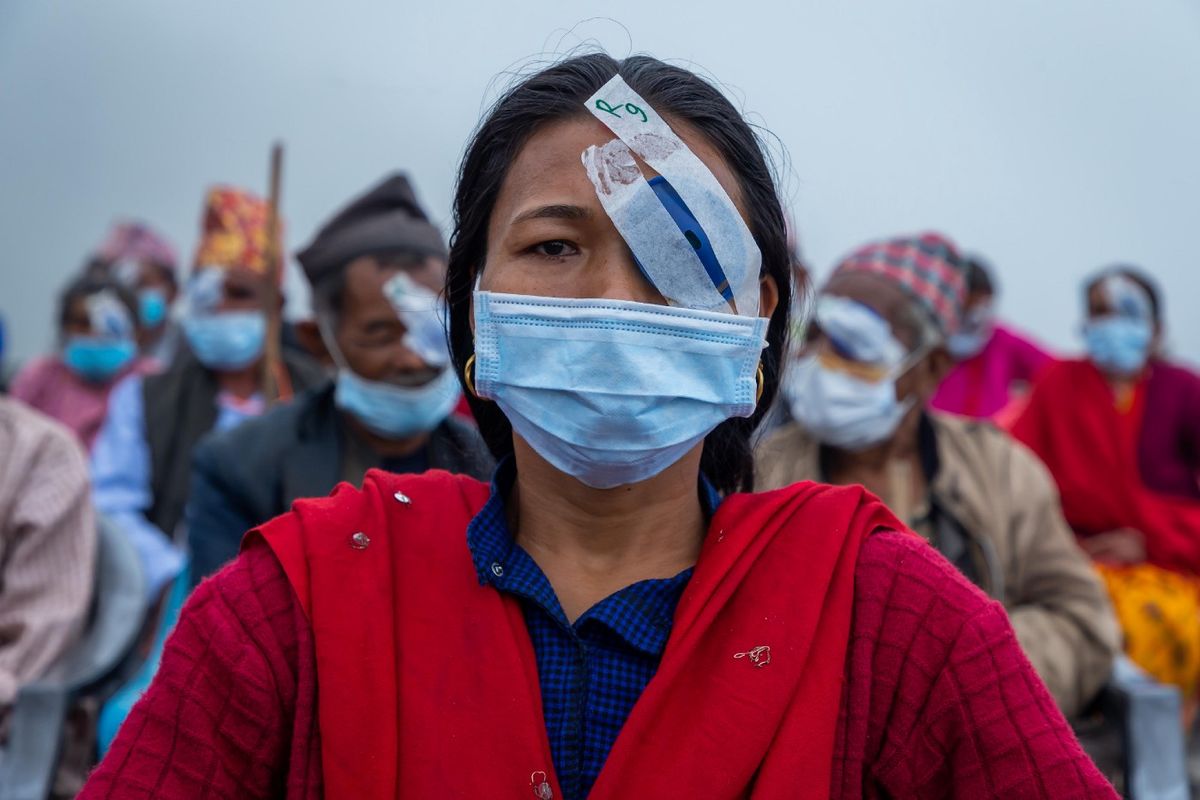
(276, 385)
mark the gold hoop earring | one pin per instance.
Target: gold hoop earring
(470, 381)
(759, 377)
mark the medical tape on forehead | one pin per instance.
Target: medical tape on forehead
(648, 135)
(665, 255)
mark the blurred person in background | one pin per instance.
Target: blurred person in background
(797, 323)
(876, 351)
(143, 261)
(1120, 431)
(994, 365)
(98, 346)
(3, 353)
(141, 462)
(376, 269)
(47, 544)
(616, 615)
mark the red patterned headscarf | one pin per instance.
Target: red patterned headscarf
(927, 266)
(234, 231)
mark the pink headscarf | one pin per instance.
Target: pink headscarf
(136, 241)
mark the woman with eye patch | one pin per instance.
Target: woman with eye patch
(617, 614)
(97, 330)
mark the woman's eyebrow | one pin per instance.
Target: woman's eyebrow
(559, 211)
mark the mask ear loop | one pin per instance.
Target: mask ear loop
(468, 368)
(902, 369)
(335, 351)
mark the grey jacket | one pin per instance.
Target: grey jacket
(999, 520)
(247, 475)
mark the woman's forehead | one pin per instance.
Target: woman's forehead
(549, 170)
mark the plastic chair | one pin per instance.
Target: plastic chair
(114, 712)
(1140, 738)
(39, 712)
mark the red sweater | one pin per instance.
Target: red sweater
(937, 698)
(1092, 450)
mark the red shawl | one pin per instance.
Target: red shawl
(423, 671)
(1072, 423)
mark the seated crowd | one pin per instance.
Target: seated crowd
(1066, 489)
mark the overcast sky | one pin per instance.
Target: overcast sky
(1052, 137)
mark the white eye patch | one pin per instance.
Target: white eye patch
(1127, 297)
(668, 259)
(108, 316)
(422, 313)
(204, 291)
(858, 331)
(702, 269)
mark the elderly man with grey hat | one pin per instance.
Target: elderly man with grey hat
(376, 270)
(857, 395)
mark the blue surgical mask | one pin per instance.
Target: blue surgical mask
(226, 340)
(152, 307)
(966, 344)
(842, 410)
(98, 359)
(974, 334)
(1118, 344)
(613, 392)
(397, 411)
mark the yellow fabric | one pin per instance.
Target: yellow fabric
(1159, 612)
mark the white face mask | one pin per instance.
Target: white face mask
(842, 410)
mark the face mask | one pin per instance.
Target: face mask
(973, 336)
(152, 307)
(842, 410)
(397, 411)
(226, 340)
(965, 344)
(1119, 345)
(97, 359)
(613, 392)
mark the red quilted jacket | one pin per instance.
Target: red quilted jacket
(937, 699)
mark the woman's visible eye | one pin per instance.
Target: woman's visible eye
(555, 248)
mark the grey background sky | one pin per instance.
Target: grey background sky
(1053, 137)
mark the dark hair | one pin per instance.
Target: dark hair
(168, 273)
(1137, 276)
(559, 92)
(979, 276)
(90, 283)
(329, 293)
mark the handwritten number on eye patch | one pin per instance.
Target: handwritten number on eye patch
(603, 106)
(632, 109)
